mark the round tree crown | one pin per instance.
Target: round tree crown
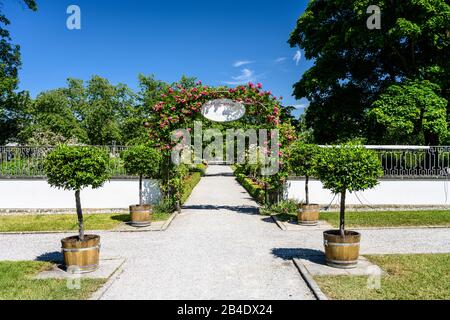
(75, 167)
(142, 160)
(349, 167)
(303, 159)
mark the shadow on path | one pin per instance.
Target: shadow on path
(55, 257)
(312, 255)
(239, 209)
(222, 174)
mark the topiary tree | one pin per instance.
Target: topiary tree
(348, 167)
(75, 168)
(143, 161)
(303, 162)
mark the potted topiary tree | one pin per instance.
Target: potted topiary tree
(143, 161)
(342, 169)
(303, 162)
(75, 168)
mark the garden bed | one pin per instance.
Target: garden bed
(17, 283)
(408, 277)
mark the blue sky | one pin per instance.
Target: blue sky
(219, 42)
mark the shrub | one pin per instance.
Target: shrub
(303, 162)
(348, 167)
(165, 206)
(75, 168)
(143, 161)
(283, 207)
(189, 184)
(254, 189)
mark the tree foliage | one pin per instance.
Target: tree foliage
(93, 112)
(349, 167)
(51, 115)
(75, 167)
(354, 65)
(142, 160)
(412, 113)
(11, 103)
(303, 159)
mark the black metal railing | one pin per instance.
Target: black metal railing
(28, 162)
(398, 162)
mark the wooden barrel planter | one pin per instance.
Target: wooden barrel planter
(308, 215)
(342, 252)
(141, 216)
(81, 256)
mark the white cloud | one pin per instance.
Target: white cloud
(246, 76)
(281, 59)
(301, 106)
(241, 63)
(297, 57)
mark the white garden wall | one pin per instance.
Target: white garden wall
(388, 192)
(32, 194)
(38, 194)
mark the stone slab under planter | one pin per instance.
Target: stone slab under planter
(106, 269)
(155, 226)
(316, 266)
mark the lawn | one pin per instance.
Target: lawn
(409, 277)
(66, 222)
(16, 283)
(381, 218)
(390, 218)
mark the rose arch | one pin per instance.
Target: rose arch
(180, 107)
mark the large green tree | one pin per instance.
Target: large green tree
(52, 116)
(12, 104)
(412, 113)
(93, 112)
(354, 65)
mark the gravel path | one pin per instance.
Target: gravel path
(218, 248)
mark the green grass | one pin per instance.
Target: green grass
(379, 218)
(409, 277)
(66, 222)
(16, 283)
(390, 218)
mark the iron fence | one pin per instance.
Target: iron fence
(399, 162)
(414, 161)
(28, 162)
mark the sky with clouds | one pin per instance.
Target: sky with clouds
(227, 42)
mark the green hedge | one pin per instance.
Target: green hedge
(255, 190)
(192, 180)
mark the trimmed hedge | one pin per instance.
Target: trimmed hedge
(192, 180)
(189, 184)
(255, 190)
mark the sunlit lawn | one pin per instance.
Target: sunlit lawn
(16, 283)
(66, 222)
(408, 277)
(384, 218)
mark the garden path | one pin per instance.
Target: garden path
(218, 248)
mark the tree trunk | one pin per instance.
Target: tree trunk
(307, 190)
(342, 213)
(80, 216)
(141, 198)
